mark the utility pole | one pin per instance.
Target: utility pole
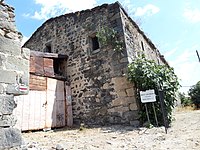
(198, 55)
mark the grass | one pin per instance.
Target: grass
(186, 108)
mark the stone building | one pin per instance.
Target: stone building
(14, 75)
(97, 72)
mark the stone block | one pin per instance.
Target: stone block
(9, 46)
(2, 60)
(130, 92)
(2, 33)
(121, 83)
(8, 76)
(130, 100)
(90, 93)
(121, 109)
(123, 101)
(1, 89)
(106, 86)
(7, 104)
(11, 14)
(131, 115)
(7, 25)
(7, 121)
(2, 8)
(121, 93)
(135, 123)
(103, 111)
(17, 63)
(111, 110)
(4, 15)
(12, 35)
(26, 53)
(117, 102)
(9, 138)
(133, 106)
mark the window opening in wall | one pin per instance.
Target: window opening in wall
(142, 45)
(59, 66)
(48, 48)
(95, 43)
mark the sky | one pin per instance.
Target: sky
(172, 25)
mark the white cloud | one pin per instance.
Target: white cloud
(192, 15)
(148, 10)
(188, 73)
(186, 68)
(57, 7)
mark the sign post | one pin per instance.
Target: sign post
(155, 114)
(161, 97)
(147, 97)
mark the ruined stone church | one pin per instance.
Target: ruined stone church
(96, 73)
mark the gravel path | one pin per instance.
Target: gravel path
(183, 135)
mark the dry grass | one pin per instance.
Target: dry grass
(186, 108)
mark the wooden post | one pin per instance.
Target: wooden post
(69, 106)
(147, 113)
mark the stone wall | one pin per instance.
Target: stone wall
(101, 93)
(137, 43)
(14, 78)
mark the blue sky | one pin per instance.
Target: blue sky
(172, 25)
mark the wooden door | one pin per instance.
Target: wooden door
(42, 109)
(55, 108)
(30, 111)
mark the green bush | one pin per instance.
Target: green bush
(146, 74)
(108, 36)
(185, 101)
(194, 93)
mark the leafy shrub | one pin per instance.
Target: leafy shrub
(194, 93)
(185, 101)
(108, 36)
(146, 74)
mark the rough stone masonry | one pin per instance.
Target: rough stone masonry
(101, 93)
(14, 75)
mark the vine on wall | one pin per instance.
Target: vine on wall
(108, 36)
(146, 74)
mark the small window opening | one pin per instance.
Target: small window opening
(95, 43)
(59, 66)
(142, 45)
(48, 48)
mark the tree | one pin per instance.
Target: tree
(194, 93)
(146, 74)
(185, 101)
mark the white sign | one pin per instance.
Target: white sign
(147, 96)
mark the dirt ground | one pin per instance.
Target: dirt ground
(183, 135)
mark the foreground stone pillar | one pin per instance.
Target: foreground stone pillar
(14, 76)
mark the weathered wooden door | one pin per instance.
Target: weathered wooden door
(30, 111)
(55, 106)
(44, 108)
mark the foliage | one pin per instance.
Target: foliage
(146, 74)
(185, 101)
(194, 93)
(108, 36)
